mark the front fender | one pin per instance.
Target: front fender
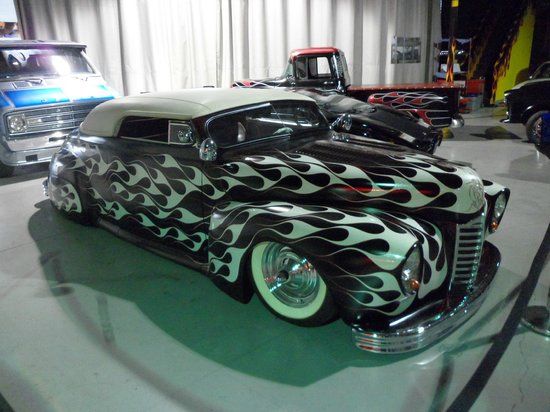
(358, 253)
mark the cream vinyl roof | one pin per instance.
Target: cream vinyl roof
(104, 120)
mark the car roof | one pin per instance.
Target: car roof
(38, 43)
(105, 119)
(313, 51)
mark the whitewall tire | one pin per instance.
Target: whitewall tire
(289, 286)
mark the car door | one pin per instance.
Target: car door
(152, 186)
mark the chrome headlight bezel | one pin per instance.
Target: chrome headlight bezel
(411, 271)
(499, 206)
(16, 123)
(347, 122)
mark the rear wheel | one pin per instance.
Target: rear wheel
(5, 170)
(533, 126)
(289, 286)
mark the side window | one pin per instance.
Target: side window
(319, 67)
(545, 72)
(144, 128)
(157, 130)
(313, 68)
(245, 125)
(301, 72)
(297, 117)
(180, 133)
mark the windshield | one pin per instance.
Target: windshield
(55, 61)
(285, 118)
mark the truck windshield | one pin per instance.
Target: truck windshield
(289, 71)
(284, 118)
(55, 61)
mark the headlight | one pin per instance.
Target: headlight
(346, 122)
(17, 123)
(411, 271)
(498, 211)
(500, 205)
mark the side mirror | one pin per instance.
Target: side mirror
(344, 121)
(208, 150)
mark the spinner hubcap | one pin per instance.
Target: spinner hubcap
(291, 278)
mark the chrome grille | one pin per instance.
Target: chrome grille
(468, 247)
(55, 118)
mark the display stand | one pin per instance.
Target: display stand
(537, 318)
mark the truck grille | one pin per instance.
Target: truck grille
(468, 247)
(55, 118)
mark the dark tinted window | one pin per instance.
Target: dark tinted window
(543, 72)
(270, 120)
(147, 128)
(42, 61)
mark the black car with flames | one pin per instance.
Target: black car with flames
(255, 190)
(376, 121)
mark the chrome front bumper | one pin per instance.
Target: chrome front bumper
(433, 322)
(25, 151)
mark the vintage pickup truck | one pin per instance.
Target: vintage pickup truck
(325, 68)
(46, 89)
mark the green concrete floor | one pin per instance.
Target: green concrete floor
(92, 323)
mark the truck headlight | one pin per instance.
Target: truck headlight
(16, 123)
(411, 271)
(498, 211)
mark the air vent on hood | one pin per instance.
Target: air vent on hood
(19, 84)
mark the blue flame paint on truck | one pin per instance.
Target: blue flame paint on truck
(46, 90)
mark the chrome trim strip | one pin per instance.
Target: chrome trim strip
(51, 118)
(467, 251)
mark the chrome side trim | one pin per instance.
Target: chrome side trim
(426, 330)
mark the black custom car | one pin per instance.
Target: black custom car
(528, 101)
(252, 188)
(376, 121)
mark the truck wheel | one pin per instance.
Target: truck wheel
(531, 126)
(289, 286)
(5, 170)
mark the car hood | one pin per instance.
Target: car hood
(351, 171)
(37, 91)
(529, 82)
(384, 116)
(381, 117)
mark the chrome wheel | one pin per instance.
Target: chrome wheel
(536, 136)
(288, 276)
(289, 285)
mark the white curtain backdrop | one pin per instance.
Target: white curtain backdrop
(150, 45)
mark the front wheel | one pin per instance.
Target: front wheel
(289, 286)
(533, 126)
